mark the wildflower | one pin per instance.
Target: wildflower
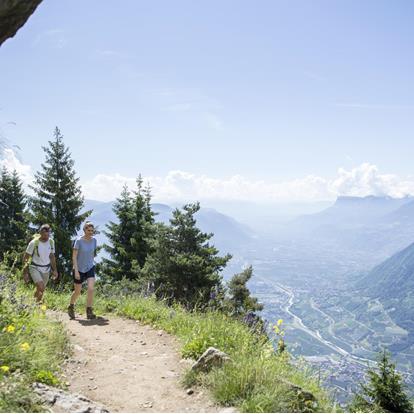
(279, 322)
(24, 347)
(5, 368)
(10, 329)
(43, 308)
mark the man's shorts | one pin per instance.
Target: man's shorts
(38, 276)
(84, 276)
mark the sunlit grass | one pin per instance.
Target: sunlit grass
(256, 380)
(32, 347)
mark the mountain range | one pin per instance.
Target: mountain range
(229, 234)
(377, 226)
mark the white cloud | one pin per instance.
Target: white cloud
(54, 38)
(181, 186)
(184, 186)
(106, 187)
(9, 160)
(367, 180)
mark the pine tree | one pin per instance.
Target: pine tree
(143, 234)
(131, 236)
(184, 267)
(385, 390)
(13, 215)
(240, 301)
(119, 234)
(58, 200)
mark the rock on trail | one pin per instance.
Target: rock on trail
(129, 367)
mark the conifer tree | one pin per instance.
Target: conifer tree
(119, 234)
(184, 267)
(13, 214)
(240, 301)
(144, 229)
(384, 391)
(131, 236)
(58, 200)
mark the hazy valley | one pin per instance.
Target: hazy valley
(315, 272)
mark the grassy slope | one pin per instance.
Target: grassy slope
(251, 382)
(32, 347)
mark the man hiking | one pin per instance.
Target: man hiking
(41, 251)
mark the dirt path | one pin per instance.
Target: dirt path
(129, 367)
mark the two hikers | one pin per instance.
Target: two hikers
(84, 251)
(39, 260)
(41, 251)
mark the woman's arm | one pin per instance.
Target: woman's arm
(75, 263)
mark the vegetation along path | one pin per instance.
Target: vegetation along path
(129, 367)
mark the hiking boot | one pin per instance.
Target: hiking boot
(71, 311)
(90, 314)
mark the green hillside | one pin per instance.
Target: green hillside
(393, 283)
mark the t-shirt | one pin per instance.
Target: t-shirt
(44, 249)
(86, 253)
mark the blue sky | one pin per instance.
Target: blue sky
(271, 91)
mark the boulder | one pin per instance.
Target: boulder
(306, 400)
(63, 402)
(211, 358)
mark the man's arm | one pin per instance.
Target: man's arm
(53, 264)
(26, 259)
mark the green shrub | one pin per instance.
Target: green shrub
(47, 377)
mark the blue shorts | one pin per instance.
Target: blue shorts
(84, 276)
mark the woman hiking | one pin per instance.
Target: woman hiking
(84, 251)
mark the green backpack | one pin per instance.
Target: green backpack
(36, 239)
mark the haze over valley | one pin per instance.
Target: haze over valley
(323, 274)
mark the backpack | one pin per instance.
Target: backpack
(36, 239)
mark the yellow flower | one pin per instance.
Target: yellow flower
(24, 346)
(10, 329)
(43, 307)
(5, 368)
(279, 322)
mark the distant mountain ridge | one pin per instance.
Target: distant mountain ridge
(393, 283)
(229, 234)
(378, 225)
(355, 211)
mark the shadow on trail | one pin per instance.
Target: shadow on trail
(91, 322)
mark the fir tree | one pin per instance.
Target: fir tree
(184, 267)
(13, 215)
(119, 234)
(143, 234)
(131, 236)
(240, 301)
(384, 392)
(58, 200)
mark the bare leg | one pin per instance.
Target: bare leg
(91, 286)
(40, 288)
(76, 293)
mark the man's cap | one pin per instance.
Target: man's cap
(44, 227)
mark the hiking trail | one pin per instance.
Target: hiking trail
(129, 367)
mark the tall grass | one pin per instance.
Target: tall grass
(32, 347)
(255, 380)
